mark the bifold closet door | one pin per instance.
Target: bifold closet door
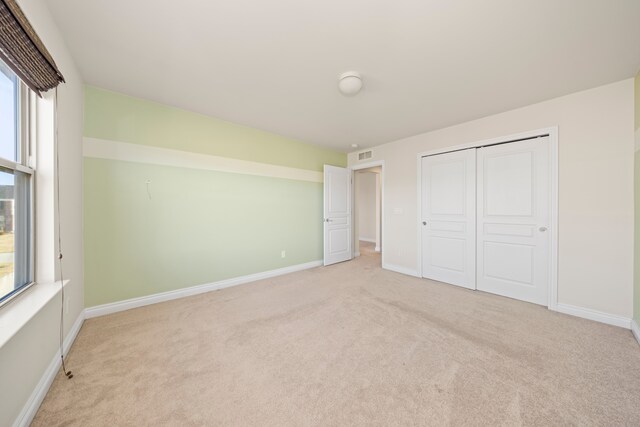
(449, 217)
(513, 220)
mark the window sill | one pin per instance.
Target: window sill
(17, 313)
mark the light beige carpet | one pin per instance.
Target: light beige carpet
(349, 344)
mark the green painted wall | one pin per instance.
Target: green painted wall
(113, 116)
(197, 226)
(636, 290)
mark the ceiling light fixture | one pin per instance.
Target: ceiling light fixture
(354, 145)
(350, 83)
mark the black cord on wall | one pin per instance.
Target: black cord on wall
(68, 374)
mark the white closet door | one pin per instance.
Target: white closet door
(449, 218)
(513, 220)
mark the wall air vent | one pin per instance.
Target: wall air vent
(364, 155)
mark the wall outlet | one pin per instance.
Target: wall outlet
(283, 254)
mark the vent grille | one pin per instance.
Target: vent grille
(364, 155)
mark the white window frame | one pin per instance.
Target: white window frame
(25, 153)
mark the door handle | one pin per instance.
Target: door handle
(424, 222)
(327, 220)
(542, 229)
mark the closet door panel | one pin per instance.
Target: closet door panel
(513, 220)
(448, 217)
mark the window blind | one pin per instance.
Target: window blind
(23, 51)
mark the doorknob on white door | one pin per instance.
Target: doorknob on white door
(424, 222)
(542, 229)
(327, 220)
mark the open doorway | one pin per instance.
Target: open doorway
(367, 190)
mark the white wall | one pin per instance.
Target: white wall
(26, 356)
(366, 199)
(596, 147)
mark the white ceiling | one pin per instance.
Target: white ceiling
(426, 64)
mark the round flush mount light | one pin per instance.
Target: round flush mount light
(350, 83)
(354, 145)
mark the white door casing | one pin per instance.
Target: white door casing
(449, 218)
(513, 220)
(337, 214)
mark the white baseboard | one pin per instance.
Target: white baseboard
(636, 330)
(357, 254)
(377, 249)
(37, 396)
(366, 239)
(399, 269)
(586, 313)
(598, 316)
(114, 307)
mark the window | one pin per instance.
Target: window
(16, 184)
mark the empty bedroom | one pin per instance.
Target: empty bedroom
(289, 213)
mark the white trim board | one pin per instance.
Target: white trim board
(137, 153)
(635, 329)
(366, 239)
(30, 408)
(598, 316)
(114, 307)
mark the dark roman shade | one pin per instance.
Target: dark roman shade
(22, 50)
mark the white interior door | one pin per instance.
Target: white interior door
(513, 220)
(449, 217)
(337, 215)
